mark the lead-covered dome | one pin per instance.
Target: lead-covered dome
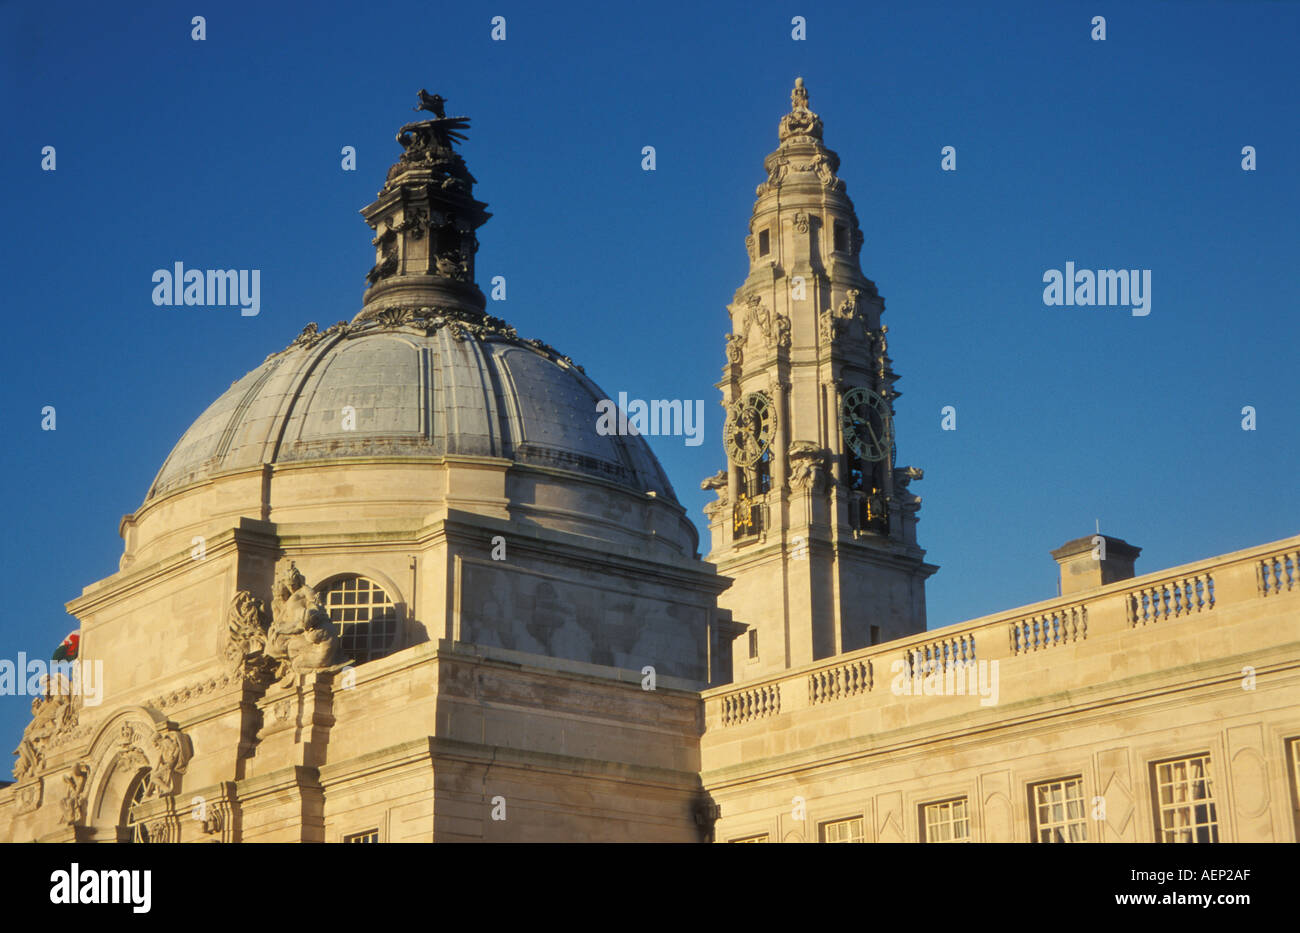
(403, 383)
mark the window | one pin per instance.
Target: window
(753, 643)
(761, 837)
(1058, 812)
(138, 831)
(764, 242)
(366, 617)
(849, 830)
(369, 835)
(841, 244)
(875, 634)
(1185, 806)
(946, 821)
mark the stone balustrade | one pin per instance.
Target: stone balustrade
(844, 680)
(1279, 573)
(1200, 591)
(1062, 626)
(940, 655)
(748, 705)
(1171, 598)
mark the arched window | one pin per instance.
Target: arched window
(136, 831)
(365, 616)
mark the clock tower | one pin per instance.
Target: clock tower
(814, 520)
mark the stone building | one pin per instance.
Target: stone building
(394, 585)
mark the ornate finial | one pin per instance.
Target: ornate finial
(800, 122)
(799, 96)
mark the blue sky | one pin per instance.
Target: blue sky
(1123, 153)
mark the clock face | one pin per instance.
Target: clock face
(866, 424)
(747, 435)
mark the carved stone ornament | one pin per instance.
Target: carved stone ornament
(717, 481)
(718, 484)
(782, 331)
(417, 221)
(29, 796)
(801, 222)
(735, 348)
(428, 320)
(775, 328)
(312, 334)
(775, 175)
(130, 754)
(800, 121)
(169, 762)
(213, 822)
(386, 263)
(73, 802)
(53, 715)
(160, 830)
(902, 495)
(825, 172)
(807, 465)
(834, 323)
(156, 746)
(301, 638)
(428, 149)
(245, 651)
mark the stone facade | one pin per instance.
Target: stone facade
(394, 586)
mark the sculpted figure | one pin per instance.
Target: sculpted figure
(73, 802)
(162, 777)
(806, 465)
(50, 715)
(301, 636)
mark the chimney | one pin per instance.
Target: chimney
(1094, 561)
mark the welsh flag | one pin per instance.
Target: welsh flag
(67, 650)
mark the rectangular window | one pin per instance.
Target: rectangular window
(841, 238)
(753, 643)
(1058, 811)
(849, 830)
(1185, 805)
(761, 837)
(764, 242)
(875, 634)
(945, 821)
(370, 835)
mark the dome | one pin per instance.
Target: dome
(411, 383)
